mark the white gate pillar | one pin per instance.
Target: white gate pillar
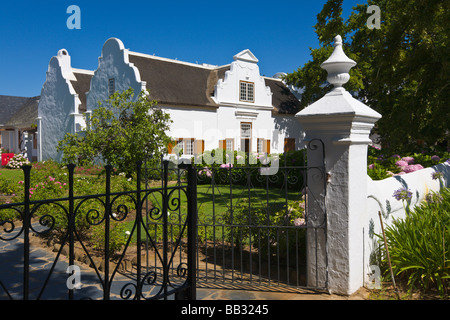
(343, 124)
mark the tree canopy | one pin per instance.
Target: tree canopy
(120, 132)
(402, 70)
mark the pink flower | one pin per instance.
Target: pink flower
(299, 222)
(372, 166)
(410, 160)
(401, 163)
(412, 168)
(20, 182)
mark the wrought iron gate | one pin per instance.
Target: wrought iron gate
(161, 265)
(218, 226)
(261, 231)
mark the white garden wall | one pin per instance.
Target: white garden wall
(380, 199)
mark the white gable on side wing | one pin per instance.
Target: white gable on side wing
(244, 68)
(58, 106)
(113, 64)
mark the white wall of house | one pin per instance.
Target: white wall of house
(195, 123)
(58, 107)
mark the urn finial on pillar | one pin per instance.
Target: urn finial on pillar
(338, 65)
(337, 256)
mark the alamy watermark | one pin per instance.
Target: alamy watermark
(74, 280)
(74, 20)
(374, 21)
(374, 278)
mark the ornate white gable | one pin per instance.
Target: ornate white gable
(244, 68)
(113, 64)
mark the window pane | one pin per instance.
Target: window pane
(230, 144)
(260, 145)
(250, 91)
(243, 94)
(111, 87)
(189, 147)
(246, 130)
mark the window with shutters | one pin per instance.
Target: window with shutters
(247, 91)
(263, 145)
(188, 146)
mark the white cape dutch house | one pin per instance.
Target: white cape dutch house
(231, 107)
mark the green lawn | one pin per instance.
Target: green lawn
(213, 203)
(11, 174)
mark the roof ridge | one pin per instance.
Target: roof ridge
(83, 71)
(202, 66)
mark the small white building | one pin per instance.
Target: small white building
(18, 125)
(231, 107)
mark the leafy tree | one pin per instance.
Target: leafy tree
(120, 132)
(402, 69)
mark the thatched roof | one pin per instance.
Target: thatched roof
(173, 82)
(18, 112)
(81, 87)
(283, 100)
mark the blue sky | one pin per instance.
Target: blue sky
(279, 33)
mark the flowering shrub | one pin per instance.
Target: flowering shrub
(17, 162)
(382, 165)
(403, 194)
(419, 245)
(49, 180)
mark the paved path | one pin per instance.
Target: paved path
(42, 260)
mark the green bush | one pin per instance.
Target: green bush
(281, 235)
(419, 244)
(8, 186)
(117, 237)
